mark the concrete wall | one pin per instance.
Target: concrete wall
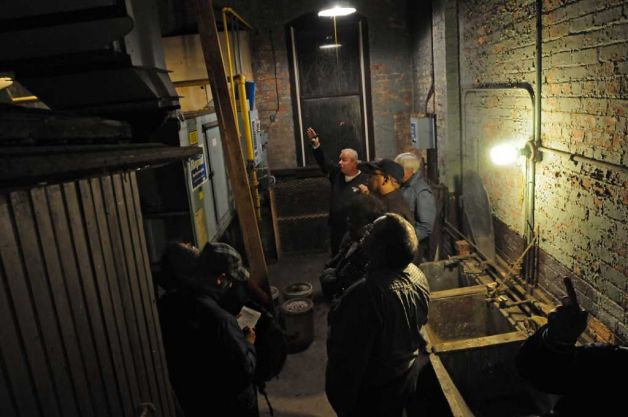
(390, 68)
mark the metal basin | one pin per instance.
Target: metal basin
(463, 314)
(474, 349)
(445, 275)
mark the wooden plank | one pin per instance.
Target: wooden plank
(122, 184)
(231, 143)
(458, 292)
(114, 265)
(457, 404)
(42, 301)
(76, 298)
(60, 299)
(28, 165)
(158, 347)
(119, 222)
(480, 342)
(94, 312)
(17, 388)
(275, 221)
(7, 405)
(110, 315)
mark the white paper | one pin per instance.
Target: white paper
(248, 317)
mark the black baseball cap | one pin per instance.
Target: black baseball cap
(387, 166)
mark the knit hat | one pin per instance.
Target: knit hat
(222, 258)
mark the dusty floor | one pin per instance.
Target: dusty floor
(299, 391)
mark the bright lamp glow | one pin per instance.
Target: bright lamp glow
(504, 154)
(336, 11)
(5, 82)
(330, 46)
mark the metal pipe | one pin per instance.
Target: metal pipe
(529, 261)
(580, 158)
(237, 16)
(248, 139)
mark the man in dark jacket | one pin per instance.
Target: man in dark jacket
(349, 265)
(345, 177)
(419, 196)
(211, 361)
(374, 329)
(583, 375)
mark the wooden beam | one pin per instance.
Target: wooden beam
(28, 165)
(231, 142)
(480, 342)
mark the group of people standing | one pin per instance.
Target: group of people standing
(381, 214)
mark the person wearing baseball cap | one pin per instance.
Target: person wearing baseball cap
(211, 360)
(385, 179)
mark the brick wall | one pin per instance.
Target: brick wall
(581, 209)
(390, 69)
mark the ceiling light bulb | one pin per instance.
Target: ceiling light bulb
(336, 11)
(504, 154)
(330, 45)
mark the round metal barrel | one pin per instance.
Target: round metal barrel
(298, 321)
(298, 290)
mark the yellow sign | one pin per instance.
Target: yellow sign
(193, 137)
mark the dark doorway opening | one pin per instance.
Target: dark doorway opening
(330, 84)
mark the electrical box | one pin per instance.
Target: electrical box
(422, 132)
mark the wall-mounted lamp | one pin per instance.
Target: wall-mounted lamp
(336, 11)
(504, 154)
(507, 154)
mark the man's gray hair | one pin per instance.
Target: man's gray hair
(408, 161)
(353, 154)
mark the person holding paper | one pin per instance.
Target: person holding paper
(211, 360)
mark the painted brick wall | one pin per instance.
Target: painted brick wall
(390, 67)
(582, 210)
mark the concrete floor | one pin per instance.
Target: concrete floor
(299, 391)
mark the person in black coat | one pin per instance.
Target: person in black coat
(349, 265)
(384, 181)
(374, 339)
(585, 376)
(345, 178)
(211, 360)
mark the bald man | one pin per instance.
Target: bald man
(345, 179)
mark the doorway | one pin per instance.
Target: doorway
(330, 84)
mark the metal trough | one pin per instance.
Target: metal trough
(447, 274)
(474, 347)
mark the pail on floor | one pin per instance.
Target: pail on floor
(298, 290)
(297, 317)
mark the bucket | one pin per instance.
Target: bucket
(298, 322)
(298, 290)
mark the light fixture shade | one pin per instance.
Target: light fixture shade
(336, 11)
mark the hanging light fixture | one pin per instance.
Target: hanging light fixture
(336, 11)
